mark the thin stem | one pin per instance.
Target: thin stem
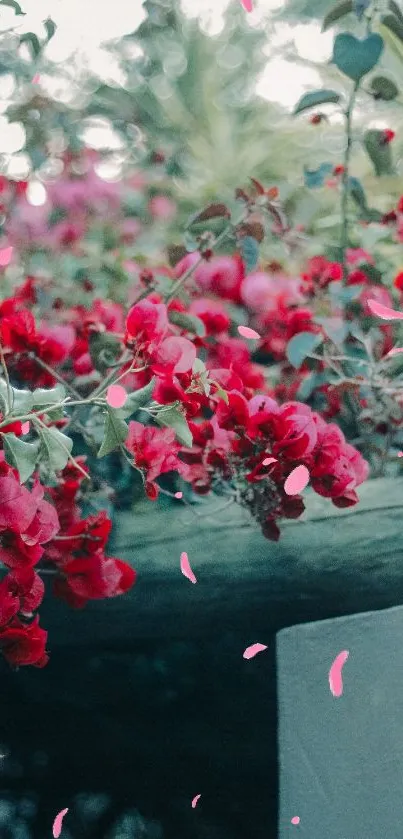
(6, 376)
(72, 459)
(109, 378)
(56, 375)
(345, 180)
(175, 288)
(45, 409)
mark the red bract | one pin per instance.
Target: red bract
(174, 355)
(155, 451)
(262, 292)
(320, 272)
(24, 643)
(146, 326)
(294, 431)
(21, 591)
(27, 522)
(213, 315)
(222, 276)
(93, 578)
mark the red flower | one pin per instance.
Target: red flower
(235, 414)
(222, 275)
(26, 523)
(174, 355)
(398, 281)
(93, 578)
(155, 450)
(22, 590)
(321, 272)
(213, 315)
(387, 137)
(294, 431)
(146, 326)
(24, 643)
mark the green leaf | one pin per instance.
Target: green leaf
(301, 346)
(314, 178)
(212, 211)
(394, 25)
(31, 39)
(345, 294)
(135, 401)
(250, 252)
(175, 419)
(394, 8)
(22, 456)
(55, 447)
(50, 27)
(105, 350)
(317, 97)
(309, 384)
(115, 433)
(341, 9)
(189, 322)
(21, 399)
(380, 153)
(13, 5)
(357, 193)
(334, 328)
(222, 394)
(383, 88)
(41, 396)
(356, 58)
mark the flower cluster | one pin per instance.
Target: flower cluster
(224, 413)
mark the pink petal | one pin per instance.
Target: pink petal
(395, 351)
(297, 480)
(25, 427)
(36, 79)
(247, 5)
(268, 460)
(335, 677)
(295, 820)
(178, 494)
(186, 569)
(400, 454)
(5, 257)
(246, 331)
(195, 800)
(57, 824)
(384, 312)
(253, 650)
(116, 396)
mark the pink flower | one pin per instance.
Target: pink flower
(221, 275)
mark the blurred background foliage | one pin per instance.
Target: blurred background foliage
(212, 103)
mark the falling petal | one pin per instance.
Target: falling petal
(297, 480)
(186, 569)
(57, 824)
(25, 427)
(116, 396)
(400, 454)
(247, 5)
(5, 257)
(384, 312)
(253, 650)
(268, 460)
(335, 677)
(36, 79)
(178, 494)
(195, 800)
(295, 820)
(247, 332)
